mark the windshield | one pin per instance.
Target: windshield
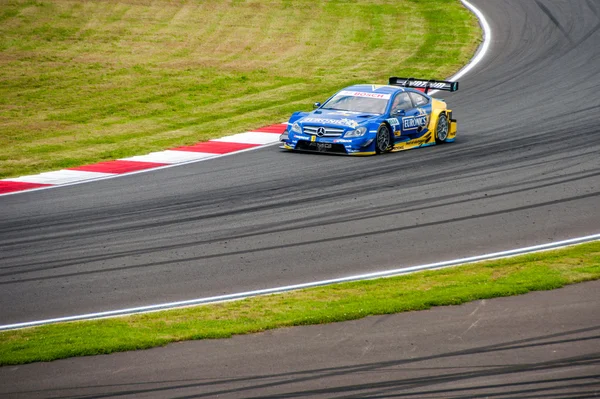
(372, 103)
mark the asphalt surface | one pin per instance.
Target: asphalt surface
(540, 345)
(524, 170)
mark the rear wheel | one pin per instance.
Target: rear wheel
(382, 141)
(442, 129)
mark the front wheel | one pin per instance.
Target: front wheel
(382, 141)
(442, 129)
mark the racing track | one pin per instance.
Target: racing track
(525, 170)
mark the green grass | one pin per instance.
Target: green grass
(452, 286)
(85, 81)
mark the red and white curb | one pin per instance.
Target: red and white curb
(175, 156)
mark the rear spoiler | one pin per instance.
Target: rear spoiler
(424, 84)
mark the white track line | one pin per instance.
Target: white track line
(481, 51)
(278, 290)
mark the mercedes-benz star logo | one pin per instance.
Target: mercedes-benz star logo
(321, 132)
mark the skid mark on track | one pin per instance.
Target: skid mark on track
(271, 247)
(554, 20)
(267, 229)
(592, 7)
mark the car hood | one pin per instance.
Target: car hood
(335, 118)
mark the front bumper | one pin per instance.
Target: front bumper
(330, 145)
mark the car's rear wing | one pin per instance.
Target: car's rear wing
(424, 84)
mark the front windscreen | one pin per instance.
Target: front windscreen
(372, 103)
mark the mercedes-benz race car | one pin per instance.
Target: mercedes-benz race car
(373, 119)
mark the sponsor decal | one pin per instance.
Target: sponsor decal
(321, 147)
(349, 122)
(421, 140)
(393, 121)
(364, 94)
(423, 83)
(414, 122)
(301, 138)
(342, 141)
(343, 122)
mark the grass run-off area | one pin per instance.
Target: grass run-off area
(335, 303)
(86, 81)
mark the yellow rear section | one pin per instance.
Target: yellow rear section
(439, 107)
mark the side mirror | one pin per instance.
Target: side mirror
(316, 105)
(398, 112)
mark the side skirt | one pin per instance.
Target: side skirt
(425, 141)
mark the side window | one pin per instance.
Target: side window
(419, 99)
(402, 101)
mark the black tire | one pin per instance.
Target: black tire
(442, 129)
(383, 139)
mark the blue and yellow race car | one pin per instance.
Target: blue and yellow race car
(373, 119)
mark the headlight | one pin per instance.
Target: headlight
(356, 133)
(296, 128)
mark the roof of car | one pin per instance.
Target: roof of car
(384, 89)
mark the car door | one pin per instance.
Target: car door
(406, 119)
(402, 108)
(421, 114)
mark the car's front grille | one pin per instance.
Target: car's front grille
(327, 131)
(321, 147)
